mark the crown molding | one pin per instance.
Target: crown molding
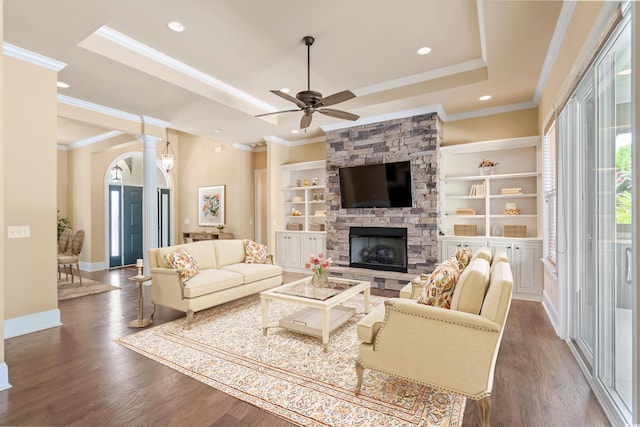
(94, 139)
(463, 67)
(32, 57)
(491, 111)
(64, 99)
(554, 46)
(160, 58)
(391, 116)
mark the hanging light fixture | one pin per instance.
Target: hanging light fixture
(167, 157)
(116, 173)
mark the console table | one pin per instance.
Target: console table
(195, 236)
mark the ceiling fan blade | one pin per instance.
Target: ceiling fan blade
(288, 98)
(277, 112)
(338, 113)
(336, 98)
(306, 120)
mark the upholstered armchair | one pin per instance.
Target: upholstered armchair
(450, 349)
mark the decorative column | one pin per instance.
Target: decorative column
(150, 196)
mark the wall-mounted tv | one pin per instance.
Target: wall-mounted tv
(384, 185)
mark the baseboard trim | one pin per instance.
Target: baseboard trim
(93, 266)
(31, 323)
(4, 376)
(552, 313)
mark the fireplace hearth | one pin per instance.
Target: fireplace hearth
(378, 248)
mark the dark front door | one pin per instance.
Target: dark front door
(132, 224)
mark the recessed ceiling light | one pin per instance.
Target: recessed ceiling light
(625, 72)
(285, 90)
(424, 50)
(295, 131)
(176, 26)
(485, 98)
(63, 85)
(217, 131)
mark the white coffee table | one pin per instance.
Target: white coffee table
(323, 312)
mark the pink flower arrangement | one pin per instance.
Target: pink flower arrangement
(318, 265)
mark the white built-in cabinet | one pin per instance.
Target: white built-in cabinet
(524, 257)
(519, 166)
(304, 215)
(293, 249)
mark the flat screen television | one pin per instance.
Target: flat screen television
(385, 185)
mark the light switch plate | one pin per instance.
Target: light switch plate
(18, 231)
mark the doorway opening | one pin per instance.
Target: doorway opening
(124, 231)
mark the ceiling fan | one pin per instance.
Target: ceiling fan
(309, 101)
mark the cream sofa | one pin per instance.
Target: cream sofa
(223, 276)
(450, 349)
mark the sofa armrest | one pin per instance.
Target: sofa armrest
(165, 281)
(440, 347)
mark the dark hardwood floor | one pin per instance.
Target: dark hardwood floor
(77, 375)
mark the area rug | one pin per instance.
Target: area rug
(68, 290)
(288, 374)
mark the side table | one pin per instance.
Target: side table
(140, 322)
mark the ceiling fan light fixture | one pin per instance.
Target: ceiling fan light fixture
(424, 50)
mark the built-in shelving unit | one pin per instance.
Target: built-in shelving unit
(304, 215)
(304, 196)
(519, 165)
(518, 168)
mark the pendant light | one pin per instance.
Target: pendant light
(167, 157)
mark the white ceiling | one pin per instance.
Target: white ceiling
(121, 55)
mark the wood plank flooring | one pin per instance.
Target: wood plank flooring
(77, 375)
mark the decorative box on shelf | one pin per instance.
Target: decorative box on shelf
(465, 229)
(316, 227)
(294, 227)
(515, 231)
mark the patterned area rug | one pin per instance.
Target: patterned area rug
(289, 374)
(68, 290)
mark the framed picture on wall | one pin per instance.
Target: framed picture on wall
(211, 203)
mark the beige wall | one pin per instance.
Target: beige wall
(2, 227)
(488, 128)
(30, 187)
(583, 19)
(308, 152)
(203, 167)
(63, 183)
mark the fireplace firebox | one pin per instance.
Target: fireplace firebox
(378, 248)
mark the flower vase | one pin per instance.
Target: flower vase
(486, 170)
(320, 280)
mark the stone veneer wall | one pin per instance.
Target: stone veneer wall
(416, 139)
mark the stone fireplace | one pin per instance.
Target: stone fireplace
(416, 139)
(378, 248)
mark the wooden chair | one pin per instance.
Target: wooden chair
(72, 256)
(63, 246)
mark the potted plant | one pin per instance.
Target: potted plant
(63, 223)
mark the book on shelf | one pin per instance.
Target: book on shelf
(514, 190)
(465, 211)
(477, 190)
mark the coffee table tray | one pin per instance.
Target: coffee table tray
(308, 321)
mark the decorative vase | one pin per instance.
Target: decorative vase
(320, 280)
(486, 170)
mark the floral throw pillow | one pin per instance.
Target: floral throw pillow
(440, 284)
(463, 255)
(254, 253)
(183, 262)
